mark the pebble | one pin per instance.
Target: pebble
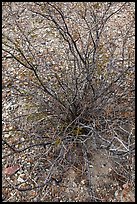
(6, 135)
(22, 139)
(20, 180)
(83, 181)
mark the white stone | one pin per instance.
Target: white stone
(21, 180)
(6, 135)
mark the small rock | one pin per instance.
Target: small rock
(6, 135)
(20, 180)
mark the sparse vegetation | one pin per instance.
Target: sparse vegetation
(68, 99)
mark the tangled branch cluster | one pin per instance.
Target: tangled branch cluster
(71, 83)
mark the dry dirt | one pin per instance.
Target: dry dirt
(65, 184)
